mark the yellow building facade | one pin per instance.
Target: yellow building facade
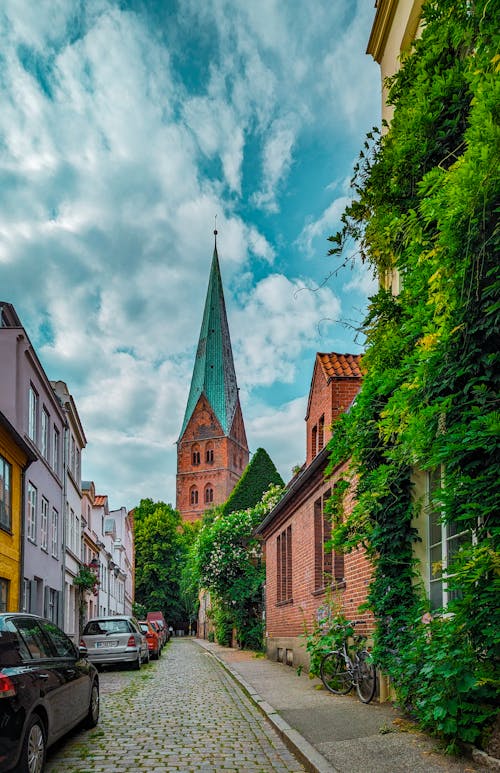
(15, 457)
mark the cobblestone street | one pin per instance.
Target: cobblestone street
(181, 713)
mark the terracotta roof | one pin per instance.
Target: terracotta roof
(100, 500)
(340, 365)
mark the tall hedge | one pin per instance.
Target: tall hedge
(259, 474)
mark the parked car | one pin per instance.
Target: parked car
(157, 617)
(153, 638)
(115, 639)
(47, 687)
(157, 627)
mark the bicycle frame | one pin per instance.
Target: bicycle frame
(340, 671)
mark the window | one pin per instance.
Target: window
(445, 539)
(284, 566)
(62, 644)
(44, 524)
(209, 453)
(26, 595)
(321, 432)
(72, 461)
(314, 441)
(45, 434)
(4, 594)
(209, 494)
(5, 494)
(55, 450)
(32, 414)
(196, 455)
(72, 537)
(77, 466)
(194, 496)
(55, 530)
(328, 566)
(32, 506)
(34, 638)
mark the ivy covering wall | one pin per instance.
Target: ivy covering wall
(426, 205)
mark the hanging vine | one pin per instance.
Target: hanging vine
(426, 205)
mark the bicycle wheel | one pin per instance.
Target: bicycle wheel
(367, 677)
(334, 673)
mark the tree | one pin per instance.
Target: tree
(426, 204)
(258, 475)
(160, 549)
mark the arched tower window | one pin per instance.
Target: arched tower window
(193, 496)
(196, 456)
(209, 493)
(209, 452)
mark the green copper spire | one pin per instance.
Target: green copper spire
(214, 374)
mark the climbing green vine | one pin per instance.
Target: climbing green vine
(426, 207)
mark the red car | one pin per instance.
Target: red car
(152, 638)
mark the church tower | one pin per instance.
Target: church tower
(212, 449)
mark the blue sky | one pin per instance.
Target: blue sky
(125, 127)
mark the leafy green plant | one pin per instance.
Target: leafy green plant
(425, 209)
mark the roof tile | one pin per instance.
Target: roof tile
(340, 365)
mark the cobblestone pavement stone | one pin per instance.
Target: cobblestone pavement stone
(181, 713)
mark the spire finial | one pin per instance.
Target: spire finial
(215, 232)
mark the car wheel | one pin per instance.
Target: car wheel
(138, 662)
(92, 717)
(34, 747)
(146, 658)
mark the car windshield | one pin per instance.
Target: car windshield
(144, 627)
(103, 627)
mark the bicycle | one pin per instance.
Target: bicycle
(340, 671)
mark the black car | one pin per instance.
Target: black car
(47, 687)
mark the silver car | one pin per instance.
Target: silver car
(115, 639)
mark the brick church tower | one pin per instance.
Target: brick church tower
(212, 449)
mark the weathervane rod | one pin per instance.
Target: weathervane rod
(215, 231)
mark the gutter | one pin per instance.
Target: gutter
(295, 486)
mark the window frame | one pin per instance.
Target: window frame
(5, 494)
(438, 550)
(32, 506)
(44, 523)
(284, 567)
(32, 414)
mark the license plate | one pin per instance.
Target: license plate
(99, 644)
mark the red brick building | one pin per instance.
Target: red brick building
(300, 572)
(212, 449)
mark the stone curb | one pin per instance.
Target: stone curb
(312, 760)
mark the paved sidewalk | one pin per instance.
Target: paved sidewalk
(335, 734)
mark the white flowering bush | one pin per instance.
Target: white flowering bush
(229, 558)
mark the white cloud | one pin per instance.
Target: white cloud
(281, 431)
(111, 172)
(285, 319)
(326, 225)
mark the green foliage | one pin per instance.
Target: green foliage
(426, 205)
(327, 633)
(86, 580)
(258, 475)
(139, 611)
(229, 564)
(448, 688)
(161, 545)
